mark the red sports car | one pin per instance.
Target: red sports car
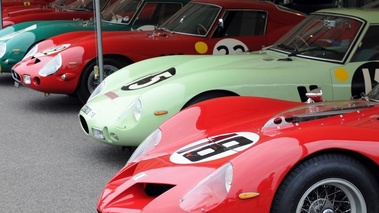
(24, 3)
(250, 154)
(65, 63)
(13, 11)
(79, 9)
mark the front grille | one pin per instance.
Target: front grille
(15, 76)
(83, 122)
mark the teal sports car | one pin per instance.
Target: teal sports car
(335, 50)
(123, 15)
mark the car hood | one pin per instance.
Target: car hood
(259, 62)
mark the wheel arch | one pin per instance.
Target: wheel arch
(206, 95)
(114, 56)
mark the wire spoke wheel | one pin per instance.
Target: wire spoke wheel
(93, 83)
(332, 195)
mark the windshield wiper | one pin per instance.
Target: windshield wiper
(163, 29)
(284, 46)
(81, 9)
(316, 48)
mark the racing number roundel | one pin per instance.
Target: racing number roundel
(214, 148)
(150, 80)
(229, 46)
(365, 78)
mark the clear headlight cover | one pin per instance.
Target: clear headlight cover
(31, 52)
(52, 66)
(137, 109)
(147, 145)
(98, 90)
(3, 49)
(210, 192)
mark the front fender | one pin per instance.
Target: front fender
(254, 172)
(16, 49)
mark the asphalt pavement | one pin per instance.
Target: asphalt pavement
(47, 162)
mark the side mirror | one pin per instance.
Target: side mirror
(221, 23)
(314, 95)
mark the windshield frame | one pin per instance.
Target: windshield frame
(299, 29)
(296, 116)
(141, 4)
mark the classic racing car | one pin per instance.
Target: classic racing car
(23, 3)
(255, 154)
(123, 15)
(332, 49)
(79, 9)
(65, 63)
(18, 10)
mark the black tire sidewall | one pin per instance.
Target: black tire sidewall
(320, 168)
(82, 91)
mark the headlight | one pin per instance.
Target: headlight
(137, 109)
(210, 192)
(131, 114)
(97, 90)
(148, 144)
(52, 66)
(3, 49)
(31, 52)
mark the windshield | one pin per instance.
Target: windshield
(121, 11)
(194, 19)
(86, 5)
(309, 112)
(325, 37)
(373, 95)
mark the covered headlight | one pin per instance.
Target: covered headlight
(3, 49)
(148, 144)
(131, 114)
(52, 66)
(137, 109)
(210, 192)
(31, 52)
(98, 90)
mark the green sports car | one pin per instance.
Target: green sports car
(122, 15)
(335, 50)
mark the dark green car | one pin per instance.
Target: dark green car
(16, 40)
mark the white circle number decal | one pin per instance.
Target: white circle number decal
(213, 148)
(51, 50)
(229, 46)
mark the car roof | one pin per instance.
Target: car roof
(370, 15)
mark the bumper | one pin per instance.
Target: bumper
(109, 132)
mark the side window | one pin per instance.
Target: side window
(156, 13)
(242, 23)
(368, 49)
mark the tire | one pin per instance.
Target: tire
(350, 185)
(206, 96)
(87, 83)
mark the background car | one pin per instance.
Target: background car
(22, 10)
(201, 27)
(22, 37)
(333, 49)
(252, 154)
(79, 9)
(20, 3)
(308, 6)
